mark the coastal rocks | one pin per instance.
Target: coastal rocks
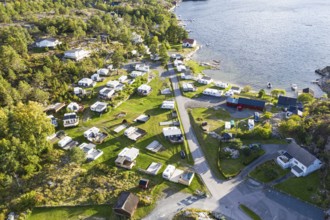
(323, 72)
(324, 81)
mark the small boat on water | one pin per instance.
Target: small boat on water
(294, 87)
(216, 61)
(269, 85)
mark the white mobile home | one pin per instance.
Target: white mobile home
(86, 82)
(97, 78)
(213, 92)
(144, 89)
(142, 67)
(113, 83)
(168, 104)
(99, 107)
(48, 42)
(76, 54)
(188, 87)
(135, 73)
(106, 93)
(64, 141)
(122, 79)
(205, 80)
(221, 84)
(70, 120)
(168, 172)
(103, 72)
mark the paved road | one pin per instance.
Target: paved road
(227, 195)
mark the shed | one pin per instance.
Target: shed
(144, 183)
(126, 204)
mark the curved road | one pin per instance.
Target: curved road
(227, 195)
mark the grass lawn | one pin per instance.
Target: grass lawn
(223, 168)
(232, 167)
(268, 172)
(195, 67)
(304, 188)
(134, 107)
(71, 213)
(249, 212)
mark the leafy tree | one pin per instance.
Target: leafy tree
(246, 89)
(77, 155)
(277, 92)
(305, 98)
(261, 93)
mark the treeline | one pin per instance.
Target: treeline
(45, 78)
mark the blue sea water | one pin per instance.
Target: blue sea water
(260, 41)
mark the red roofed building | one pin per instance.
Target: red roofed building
(189, 43)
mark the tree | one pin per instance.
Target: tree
(118, 58)
(261, 93)
(154, 45)
(305, 98)
(246, 89)
(277, 92)
(163, 54)
(10, 59)
(77, 155)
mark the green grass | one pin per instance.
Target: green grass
(71, 213)
(304, 188)
(268, 172)
(195, 67)
(249, 212)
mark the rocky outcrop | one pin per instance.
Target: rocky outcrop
(324, 81)
(323, 72)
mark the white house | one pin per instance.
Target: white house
(48, 42)
(189, 43)
(221, 84)
(99, 107)
(86, 82)
(168, 172)
(97, 78)
(144, 89)
(170, 104)
(299, 160)
(76, 54)
(142, 67)
(181, 68)
(135, 73)
(91, 133)
(188, 87)
(136, 38)
(70, 120)
(236, 89)
(73, 107)
(126, 158)
(205, 80)
(113, 83)
(103, 72)
(90, 150)
(78, 91)
(212, 92)
(134, 133)
(106, 93)
(122, 78)
(187, 75)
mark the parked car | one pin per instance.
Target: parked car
(182, 154)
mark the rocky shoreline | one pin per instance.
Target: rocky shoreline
(324, 81)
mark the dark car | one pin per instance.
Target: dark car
(182, 154)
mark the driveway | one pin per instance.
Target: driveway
(227, 195)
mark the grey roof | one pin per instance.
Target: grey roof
(301, 154)
(297, 169)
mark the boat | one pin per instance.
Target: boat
(269, 85)
(216, 61)
(294, 87)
